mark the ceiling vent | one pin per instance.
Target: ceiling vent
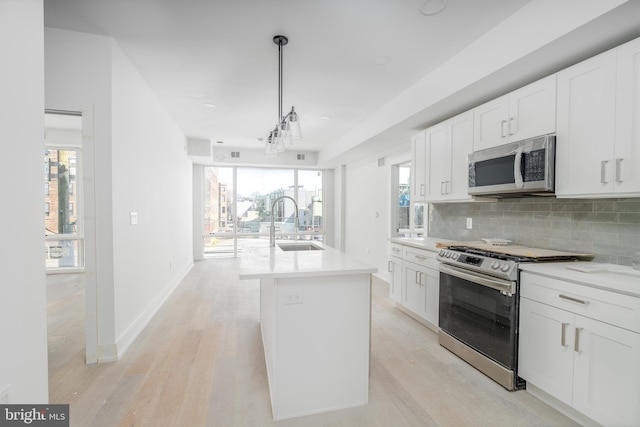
(300, 156)
(235, 154)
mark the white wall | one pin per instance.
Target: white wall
(151, 176)
(366, 211)
(135, 161)
(23, 322)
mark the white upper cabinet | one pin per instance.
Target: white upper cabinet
(598, 138)
(418, 167)
(447, 146)
(524, 113)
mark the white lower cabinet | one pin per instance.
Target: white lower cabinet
(582, 347)
(395, 268)
(417, 272)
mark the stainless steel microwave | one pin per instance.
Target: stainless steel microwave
(517, 169)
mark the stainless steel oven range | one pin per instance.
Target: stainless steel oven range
(479, 308)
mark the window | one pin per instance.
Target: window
(408, 216)
(62, 167)
(238, 211)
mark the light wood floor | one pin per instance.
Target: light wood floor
(200, 363)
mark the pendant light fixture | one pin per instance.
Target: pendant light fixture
(288, 127)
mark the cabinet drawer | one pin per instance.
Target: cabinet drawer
(420, 257)
(609, 307)
(395, 250)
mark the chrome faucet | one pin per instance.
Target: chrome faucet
(272, 228)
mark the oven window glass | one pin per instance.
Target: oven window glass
(495, 171)
(483, 318)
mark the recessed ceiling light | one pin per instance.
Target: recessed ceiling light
(382, 60)
(209, 105)
(325, 118)
(219, 142)
(433, 7)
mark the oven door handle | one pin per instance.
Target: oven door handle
(494, 283)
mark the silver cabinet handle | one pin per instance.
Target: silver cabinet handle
(603, 171)
(568, 298)
(618, 170)
(417, 277)
(420, 257)
(422, 189)
(442, 192)
(576, 346)
(390, 266)
(563, 338)
(502, 123)
(511, 128)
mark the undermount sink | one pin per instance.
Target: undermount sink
(299, 247)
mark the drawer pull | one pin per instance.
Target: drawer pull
(420, 257)
(576, 346)
(563, 339)
(395, 250)
(390, 266)
(568, 298)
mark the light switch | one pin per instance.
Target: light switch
(134, 218)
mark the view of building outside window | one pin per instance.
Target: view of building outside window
(403, 199)
(60, 184)
(238, 213)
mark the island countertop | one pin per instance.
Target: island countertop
(266, 262)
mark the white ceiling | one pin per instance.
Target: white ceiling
(345, 58)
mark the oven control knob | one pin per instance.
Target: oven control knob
(505, 268)
(495, 265)
(454, 256)
(441, 252)
(448, 255)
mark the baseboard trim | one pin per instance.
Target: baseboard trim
(128, 337)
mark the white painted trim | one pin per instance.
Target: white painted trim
(113, 352)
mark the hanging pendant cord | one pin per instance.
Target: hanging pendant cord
(279, 82)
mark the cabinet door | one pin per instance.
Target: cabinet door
(460, 145)
(545, 355)
(532, 110)
(586, 127)
(418, 167)
(607, 373)
(395, 289)
(627, 148)
(490, 123)
(437, 169)
(414, 290)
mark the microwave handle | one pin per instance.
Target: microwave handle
(517, 169)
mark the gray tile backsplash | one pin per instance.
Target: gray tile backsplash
(607, 228)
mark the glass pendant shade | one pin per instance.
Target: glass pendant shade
(294, 124)
(269, 147)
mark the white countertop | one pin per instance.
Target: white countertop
(427, 243)
(266, 262)
(611, 277)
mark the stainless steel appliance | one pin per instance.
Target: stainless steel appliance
(479, 305)
(519, 168)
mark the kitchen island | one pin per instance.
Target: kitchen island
(315, 311)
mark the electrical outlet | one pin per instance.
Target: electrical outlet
(469, 223)
(4, 395)
(134, 218)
